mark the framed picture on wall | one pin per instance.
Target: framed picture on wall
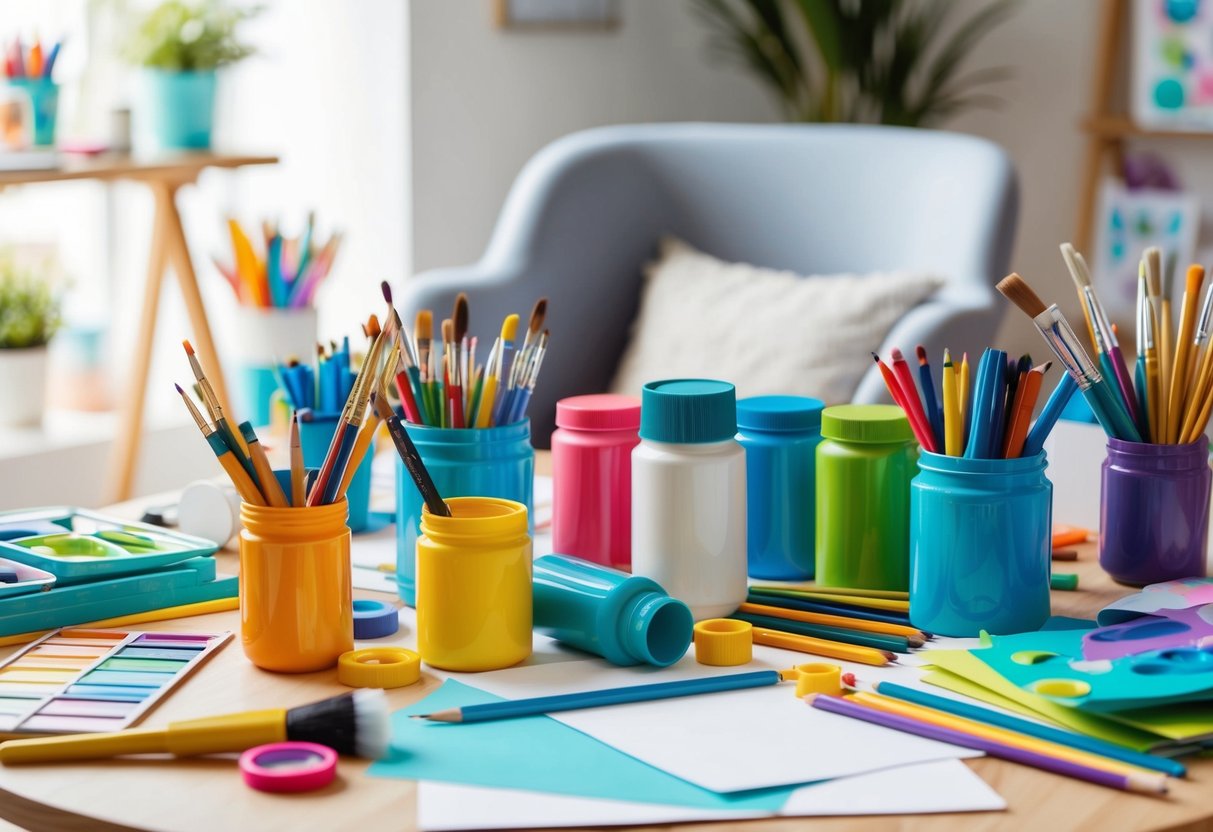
(556, 14)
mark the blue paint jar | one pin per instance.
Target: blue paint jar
(464, 462)
(780, 435)
(980, 545)
(625, 619)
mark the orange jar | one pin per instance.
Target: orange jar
(296, 602)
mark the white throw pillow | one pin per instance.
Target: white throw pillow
(766, 331)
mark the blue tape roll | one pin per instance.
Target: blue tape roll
(374, 619)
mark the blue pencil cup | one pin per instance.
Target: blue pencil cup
(315, 436)
(980, 545)
(464, 462)
(43, 94)
(173, 110)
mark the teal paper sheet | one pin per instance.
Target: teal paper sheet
(539, 754)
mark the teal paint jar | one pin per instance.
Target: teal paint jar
(173, 110)
(624, 618)
(980, 545)
(463, 462)
(865, 464)
(780, 435)
(43, 95)
(315, 435)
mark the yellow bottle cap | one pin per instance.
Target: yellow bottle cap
(379, 667)
(723, 642)
(817, 677)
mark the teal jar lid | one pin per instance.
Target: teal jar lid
(866, 423)
(688, 411)
(779, 413)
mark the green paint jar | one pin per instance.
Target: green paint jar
(864, 468)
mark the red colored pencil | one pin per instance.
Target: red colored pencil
(906, 379)
(899, 398)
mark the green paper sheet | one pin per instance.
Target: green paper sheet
(539, 754)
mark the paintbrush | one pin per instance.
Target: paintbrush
(1183, 352)
(522, 396)
(270, 488)
(459, 330)
(412, 461)
(1061, 339)
(244, 484)
(1202, 371)
(521, 362)
(298, 471)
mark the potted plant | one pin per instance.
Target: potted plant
(178, 47)
(870, 61)
(29, 317)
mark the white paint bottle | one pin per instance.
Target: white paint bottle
(689, 495)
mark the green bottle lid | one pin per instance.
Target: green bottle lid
(867, 423)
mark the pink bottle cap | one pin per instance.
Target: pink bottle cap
(289, 766)
(604, 411)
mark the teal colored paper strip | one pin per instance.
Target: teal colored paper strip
(538, 753)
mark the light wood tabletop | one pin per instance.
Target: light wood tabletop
(208, 795)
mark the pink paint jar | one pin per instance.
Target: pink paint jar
(592, 473)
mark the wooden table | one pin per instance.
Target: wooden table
(163, 175)
(207, 794)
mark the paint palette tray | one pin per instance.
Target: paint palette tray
(96, 681)
(78, 545)
(29, 578)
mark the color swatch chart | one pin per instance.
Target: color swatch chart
(79, 680)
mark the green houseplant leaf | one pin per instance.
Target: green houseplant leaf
(29, 307)
(182, 36)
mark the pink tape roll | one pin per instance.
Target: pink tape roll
(289, 766)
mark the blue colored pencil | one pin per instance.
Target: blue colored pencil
(879, 641)
(597, 698)
(997, 405)
(1033, 729)
(979, 409)
(1049, 415)
(827, 607)
(934, 411)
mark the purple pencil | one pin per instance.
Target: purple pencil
(1144, 782)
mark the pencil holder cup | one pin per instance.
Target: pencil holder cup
(1154, 511)
(624, 618)
(474, 585)
(43, 97)
(980, 545)
(263, 335)
(864, 467)
(463, 462)
(296, 605)
(315, 434)
(173, 110)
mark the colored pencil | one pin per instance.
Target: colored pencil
(1025, 402)
(896, 644)
(298, 471)
(514, 709)
(824, 594)
(901, 370)
(911, 634)
(1145, 783)
(934, 412)
(1049, 415)
(823, 647)
(830, 608)
(1082, 742)
(856, 592)
(962, 393)
(269, 487)
(953, 427)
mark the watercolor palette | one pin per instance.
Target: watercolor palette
(82, 681)
(77, 545)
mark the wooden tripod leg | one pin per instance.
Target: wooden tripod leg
(179, 255)
(130, 425)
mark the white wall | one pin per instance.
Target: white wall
(485, 99)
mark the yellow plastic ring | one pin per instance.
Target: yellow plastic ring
(818, 677)
(723, 642)
(379, 667)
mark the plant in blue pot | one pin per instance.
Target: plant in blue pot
(179, 46)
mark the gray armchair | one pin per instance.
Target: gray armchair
(587, 211)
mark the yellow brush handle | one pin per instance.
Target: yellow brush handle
(359, 451)
(487, 394)
(269, 483)
(212, 735)
(240, 478)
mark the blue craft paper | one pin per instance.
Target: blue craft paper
(539, 754)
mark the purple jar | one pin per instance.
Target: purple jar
(1154, 513)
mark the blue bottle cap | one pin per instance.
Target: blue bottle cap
(780, 413)
(688, 411)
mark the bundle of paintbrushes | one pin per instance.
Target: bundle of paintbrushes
(1170, 400)
(285, 273)
(365, 407)
(990, 422)
(453, 390)
(321, 387)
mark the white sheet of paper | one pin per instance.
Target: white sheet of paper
(781, 740)
(942, 786)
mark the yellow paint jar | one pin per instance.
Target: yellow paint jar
(474, 585)
(296, 603)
